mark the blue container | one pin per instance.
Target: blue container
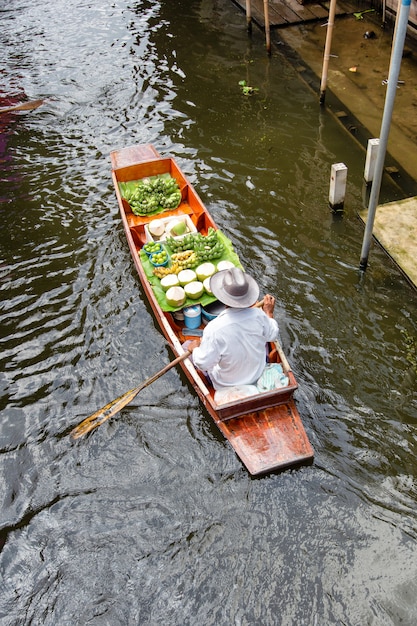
(211, 311)
(154, 261)
(156, 247)
(192, 316)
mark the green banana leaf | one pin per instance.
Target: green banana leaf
(228, 255)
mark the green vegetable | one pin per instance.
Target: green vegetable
(152, 195)
(152, 246)
(206, 247)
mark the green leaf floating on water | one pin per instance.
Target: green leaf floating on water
(246, 89)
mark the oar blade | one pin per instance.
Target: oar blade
(23, 106)
(105, 413)
(113, 407)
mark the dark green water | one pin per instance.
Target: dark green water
(152, 519)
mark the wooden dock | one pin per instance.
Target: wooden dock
(288, 12)
(394, 229)
(395, 223)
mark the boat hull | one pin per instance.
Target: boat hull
(265, 430)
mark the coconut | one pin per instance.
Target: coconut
(224, 265)
(186, 276)
(175, 228)
(205, 270)
(156, 228)
(176, 296)
(206, 285)
(170, 280)
(194, 290)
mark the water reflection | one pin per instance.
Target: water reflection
(152, 518)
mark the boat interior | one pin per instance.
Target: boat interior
(192, 206)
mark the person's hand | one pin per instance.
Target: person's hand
(191, 344)
(269, 304)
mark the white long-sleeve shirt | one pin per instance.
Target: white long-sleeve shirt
(232, 350)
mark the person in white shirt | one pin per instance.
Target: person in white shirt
(232, 350)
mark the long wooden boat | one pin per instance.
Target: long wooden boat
(265, 430)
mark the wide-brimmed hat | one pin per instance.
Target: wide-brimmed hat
(234, 288)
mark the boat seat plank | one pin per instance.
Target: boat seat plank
(131, 155)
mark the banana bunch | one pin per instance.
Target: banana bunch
(206, 247)
(186, 259)
(160, 272)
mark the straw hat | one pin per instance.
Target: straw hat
(234, 288)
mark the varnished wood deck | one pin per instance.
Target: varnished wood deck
(288, 12)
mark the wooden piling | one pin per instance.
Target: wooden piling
(267, 27)
(327, 49)
(248, 16)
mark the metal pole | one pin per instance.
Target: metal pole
(327, 48)
(394, 72)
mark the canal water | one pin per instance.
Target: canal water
(152, 518)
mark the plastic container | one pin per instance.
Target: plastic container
(155, 247)
(182, 217)
(178, 315)
(154, 259)
(192, 316)
(211, 311)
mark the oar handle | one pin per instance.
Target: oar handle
(113, 407)
(163, 371)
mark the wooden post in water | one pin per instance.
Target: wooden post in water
(267, 27)
(248, 16)
(371, 155)
(337, 191)
(327, 48)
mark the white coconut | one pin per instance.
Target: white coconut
(205, 270)
(186, 276)
(156, 228)
(224, 265)
(194, 290)
(175, 296)
(170, 280)
(206, 285)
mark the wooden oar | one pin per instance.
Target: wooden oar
(117, 405)
(23, 106)
(113, 407)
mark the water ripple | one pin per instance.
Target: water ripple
(152, 517)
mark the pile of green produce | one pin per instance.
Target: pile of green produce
(155, 275)
(206, 248)
(151, 195)
(152, 246)
(160, 257)
(191, 250)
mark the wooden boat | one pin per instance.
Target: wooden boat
(265, 430)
